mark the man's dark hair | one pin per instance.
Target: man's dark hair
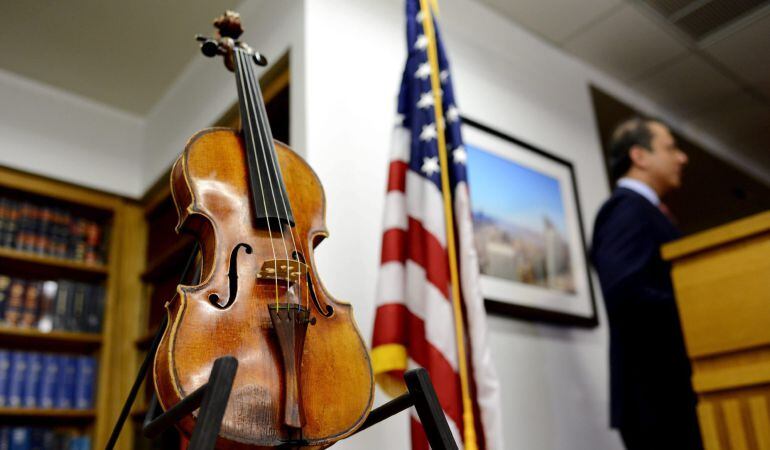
(630, 132)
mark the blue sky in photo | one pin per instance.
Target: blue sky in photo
(516, 194)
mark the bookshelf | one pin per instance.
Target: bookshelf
(52, 341)
(48, 265)
(56, 415)
(155, 272)
(47, 261)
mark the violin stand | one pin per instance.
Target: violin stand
(212, 399)
(422, 396)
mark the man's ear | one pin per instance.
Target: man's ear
(638, 155)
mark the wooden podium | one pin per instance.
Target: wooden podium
(722, 283)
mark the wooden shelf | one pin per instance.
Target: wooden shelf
(28, 338)
(30, 264)
(114, 370)
(139, 415)
(46, 416)
(143, 342)
(174, 255)
(49, 188)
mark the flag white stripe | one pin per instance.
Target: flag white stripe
(423, 300)
(425, 204)
(429, 304)
(400, 144)
(391, 283)
(395, 211)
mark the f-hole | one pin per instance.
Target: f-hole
(326, 312)
(232, 276)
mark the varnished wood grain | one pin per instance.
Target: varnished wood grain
(722, 283)
(123, 333)
(210, 188)
(108, 403)
(724, 296)
(725, 234)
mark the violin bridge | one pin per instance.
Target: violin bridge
(287, 270)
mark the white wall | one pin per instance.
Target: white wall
(61, 135)
(555, 393)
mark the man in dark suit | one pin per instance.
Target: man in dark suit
(652, 401)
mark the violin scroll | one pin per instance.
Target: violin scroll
(229, 25)
(229, 29)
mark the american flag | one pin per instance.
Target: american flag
(414, 323)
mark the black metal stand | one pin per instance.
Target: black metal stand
(211, 398)
(147, 359)
(422, 396)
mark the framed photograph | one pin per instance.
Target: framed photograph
(527, 229)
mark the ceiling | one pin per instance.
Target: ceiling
(125, 54)
(707, 62)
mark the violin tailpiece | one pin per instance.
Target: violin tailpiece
(290, 322)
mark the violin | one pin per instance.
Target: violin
(304, 377)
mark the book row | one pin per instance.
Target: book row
(46, 380)
(50, 231)
(61, 305)
(36, 438)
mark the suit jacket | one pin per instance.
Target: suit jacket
(649, 370)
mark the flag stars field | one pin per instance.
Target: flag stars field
(459, 155)
(428, 132)
(421, 43)
(453, 114)
(423, 71)
(426, 100)
(430, 166)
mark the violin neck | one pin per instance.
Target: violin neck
(268, 191)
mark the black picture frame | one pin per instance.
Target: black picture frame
(522, 310)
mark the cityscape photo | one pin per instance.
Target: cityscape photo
(519, 223)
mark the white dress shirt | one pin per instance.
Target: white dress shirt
(641, 188)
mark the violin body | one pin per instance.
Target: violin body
(229, 315)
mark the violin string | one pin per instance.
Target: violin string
(245, 120)
(265, 142)
(284, 201)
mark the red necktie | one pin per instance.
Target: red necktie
(666, 212)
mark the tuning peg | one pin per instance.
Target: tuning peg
(209, 47)
(259, 59)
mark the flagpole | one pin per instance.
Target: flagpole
(468, 424)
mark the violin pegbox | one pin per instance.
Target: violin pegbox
(229, 29)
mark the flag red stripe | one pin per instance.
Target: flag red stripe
(395, 324)
(445, 380)
(419, 440)
(424, 249)
(393, 246)
(397, 176)
(390, 325)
